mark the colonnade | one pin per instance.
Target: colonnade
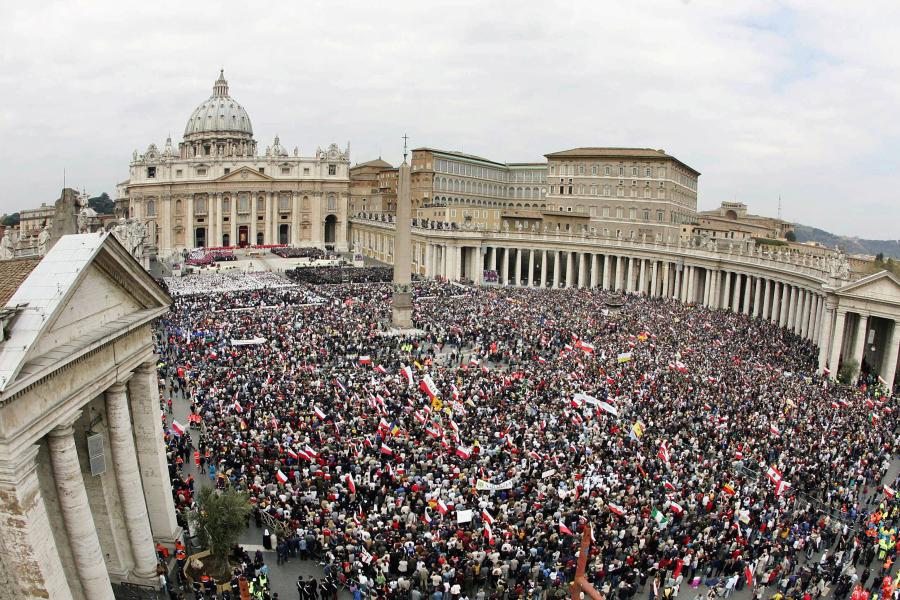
(139, 467)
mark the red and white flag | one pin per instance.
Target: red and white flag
(319, 413)
(280, 476)
(773, 474)
(385, 449)
(488, 532)
(616, 509)
(441, 507)
(365, 360)
(889, 492)
(380, 369)
(311, 452)
(428, 386)
(781, 487)
(664, 453)
(177, 427)
(290, 452)
(463, 452)
(564, 529)
(237, 407)
(408, 374)
(676, 508)
(773, 429)
(426, 517)
(587, 348)
(487, 516)
(351, 485)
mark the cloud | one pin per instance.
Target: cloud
(764, 98)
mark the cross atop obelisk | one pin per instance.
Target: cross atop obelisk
(402, 309)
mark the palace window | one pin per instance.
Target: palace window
(151, 208)
(621, 171)
(227, 170)
(646, 214)
(648, 172)
(177, 172)
(306, 170)
(632, 213)
(332, 169)
(607, 170)
(285, 170)
(634, 171)
(226, 204)
(284, 202)
(332, 203)
(261, 205)
(201, 171)
(262, 170)
(594, 170)
(151, 172)
(200, 206)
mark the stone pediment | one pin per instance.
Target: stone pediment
(883, 286)
(87, 289)
(243, 175)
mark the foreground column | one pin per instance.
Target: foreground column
(131, 491)
(517, 276)
(151, 453)
(555, 269)
(825, 334)
(665, 280)
(76, 513)
(837, 341)
(595, 270)
(544, 267)
(606, 263)
(570, 269)
(26, 538)
(582, 270)
(889, 367)
(530, 282)
(765, 305)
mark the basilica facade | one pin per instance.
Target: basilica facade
(217, 190)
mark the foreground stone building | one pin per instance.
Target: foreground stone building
(215, 189)
(853, 322)
(84, 485)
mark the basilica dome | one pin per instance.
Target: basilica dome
(219, 114)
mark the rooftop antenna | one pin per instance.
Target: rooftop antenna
(779, 207)
(405, 139)
(64, 178)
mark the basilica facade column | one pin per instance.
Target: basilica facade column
(131, 492)
(76, 513)
(26, 535)
(642, 277)
(595, 270)
(676, 288)
(582, 270)
(517, 276)
(665, 279)
(531, 260)
(570, 269)
(654, 275)
(504, 268)
(544, 267)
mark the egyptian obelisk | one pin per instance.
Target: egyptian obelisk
(402, 313)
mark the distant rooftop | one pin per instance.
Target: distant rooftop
(610, 152)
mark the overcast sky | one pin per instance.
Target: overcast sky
(797, 99)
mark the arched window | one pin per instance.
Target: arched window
(178, 207)
(332, 203)
(151, 208)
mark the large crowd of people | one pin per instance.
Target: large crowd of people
(700, 449)
(331, 275)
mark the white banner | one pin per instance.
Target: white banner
(464, 516)
(251, 342)
(485, 486)
(547, 474)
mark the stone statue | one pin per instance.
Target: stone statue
(44, 241)
(65, 215)
(7, 249)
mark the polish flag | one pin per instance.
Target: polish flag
(774, 475)
(303, 454)
(428, 386)
(564, 529)
(616, 509)
(292, 454)
(426, 518)
(541, 359)
(177, 427)
(237, 407)
(380, 369)
(889, 492)
(774, 430)
(664, 453)
(676, 508)
(487, 516)
(365, 360)
(587, 348)
(781, 487)
(385, 449)
(281, 477)
(311, 452)
(463, 452)
(340, 386)
(407, 373)
(454, 391)
(474, 361)
(441, 507)
(488, 532)
(319, 413)
(348, 479)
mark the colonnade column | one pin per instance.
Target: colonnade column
(726, 299)
(889, 367)
(837, 341)
(429, 266)
(570, 269)
(504, 267)
(676, 288)
(736, 294)
(765, 304)
(757, 296)
(807, 312)
(517, 280)
(619, 273)
(595, 270)
(582, 270)
(689, 285)
(785, 303)
(606, 263)
(544, 263)
(530, 282)
(825, 333)
(654, 279)
(748, 283)
(151, 453)
(76, 513)
(629, 283)
(859, 343)
(817, 319)
(665, 286)
(776, 302)
(26, 536)
(131, 491)
(642, 277)
(556, 262)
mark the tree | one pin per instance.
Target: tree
(790, 236)
(220, 518)
(11, 220)
(102, 204)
